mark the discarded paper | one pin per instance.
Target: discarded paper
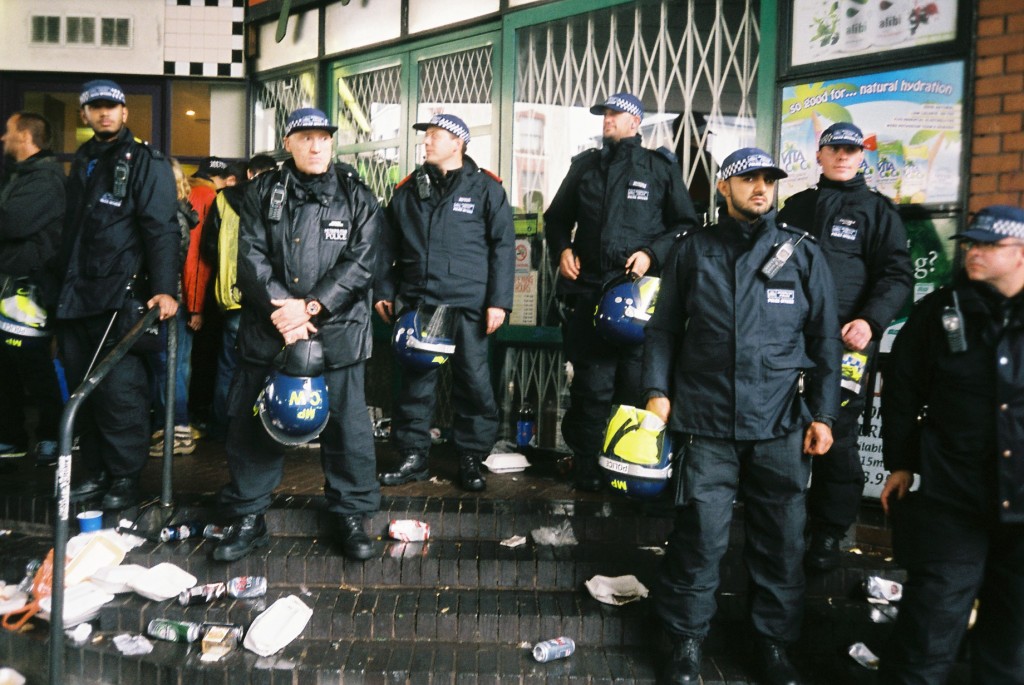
(877, 587)
(616, 591)
(514, 541)
(558, 536)
(863, 656)
(133, 645)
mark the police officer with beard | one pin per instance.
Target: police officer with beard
(862, 236)
(741, 359)
(450, 242)
(306, 259)
(627, 205)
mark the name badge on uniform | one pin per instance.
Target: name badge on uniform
(109, 199)
(637, 190)
(845, 229)
(781, 292)
(464, 205)
(335, 229)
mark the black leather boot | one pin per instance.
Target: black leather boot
(94, 486)
(823, 554)
(773, 663)
(684, 666)
(413, 468)
(470, 477)
(587, 474)
(123, 493)
(352, 538)
(247, 533)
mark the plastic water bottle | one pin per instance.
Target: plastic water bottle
(526, 426)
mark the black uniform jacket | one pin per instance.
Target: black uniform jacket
(107, 239)
(323, 247)
(31, 214)
(622, 198)
(862, 235)
(728, 346)
(456, 247)
(969, 449)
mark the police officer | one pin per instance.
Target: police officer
(746, 317)
(862, 236)
(627, 204)
(450, 242)
(119, 246)
(31, 214)
(306, 257)
(958, 362)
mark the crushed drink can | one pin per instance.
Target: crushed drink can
(247, 587)
(549, 650)
(215, 532)
(232, 630)
(173, 631)
(876, 587)
(179, 531)
(201, 594)
(409, 530)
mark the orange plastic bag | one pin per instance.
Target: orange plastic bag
(42, 586)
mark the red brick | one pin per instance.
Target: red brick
(999, 45)
(982, 200)
(1011, 182)
(1014, 63)
(989, 85)
(990, 104)
(1011, 142)
(1013, 103)
(998, 123)
(984, 184)
(1015, 23)
(992, 26)
(990, 164)
(987, 145)
(991, 8)
(990, 66)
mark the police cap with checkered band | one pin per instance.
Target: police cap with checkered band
(747, 160)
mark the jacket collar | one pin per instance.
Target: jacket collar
(855, 183)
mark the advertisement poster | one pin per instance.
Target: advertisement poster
(911, 119)
(834, 29)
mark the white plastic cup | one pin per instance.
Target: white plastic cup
(90, 521)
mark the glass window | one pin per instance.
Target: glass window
(273, 101)
(115, 32)
(369, 115)
(45, 29)
(80, 30)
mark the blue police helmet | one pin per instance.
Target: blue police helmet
(293, 409)
(636, 458)
(423, 337)
(625, 308)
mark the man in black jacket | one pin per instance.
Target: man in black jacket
(450, 242)
(118, 255)
(31, 213)
(862, 236)
(953, 413)
(306, 258)
(741, 358)
(628, 205)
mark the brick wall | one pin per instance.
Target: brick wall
(997, 162)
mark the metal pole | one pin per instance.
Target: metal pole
(172, 375)
(63, 488)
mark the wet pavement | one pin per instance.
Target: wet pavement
(459, 608)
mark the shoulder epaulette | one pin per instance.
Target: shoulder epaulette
(667, 154)
(404, 180)
(584, 154)
(347, 170)
(884, 197)
(783, 226)
(491, 174)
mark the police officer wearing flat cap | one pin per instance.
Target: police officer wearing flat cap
(119, 247)
(306, 258)
(862, 236)
(450, 241)
(953, 414)
(627, 205)
(741, 358)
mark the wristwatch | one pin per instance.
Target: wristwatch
(313, 308)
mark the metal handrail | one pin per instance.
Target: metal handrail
(63, 476)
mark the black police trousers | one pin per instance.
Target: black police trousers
(113, 424)
(28, 374)
(256, 462)
(837, 477)
(604, 374)
(474, 409)
(952, 558)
